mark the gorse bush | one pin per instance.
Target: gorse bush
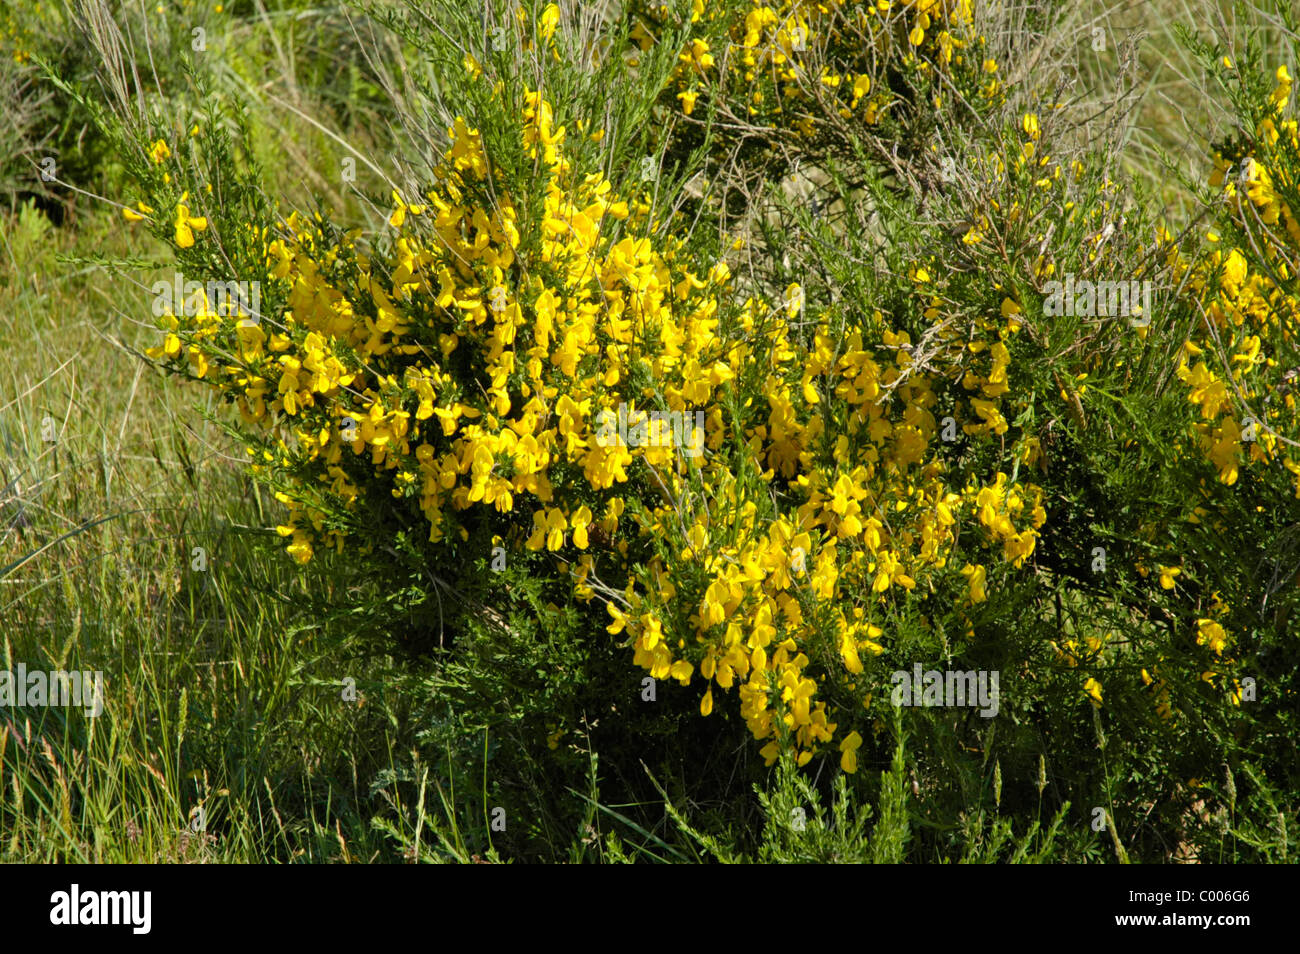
(786, 72)
(592, 395)
(478, 365)
(759, 91)
(1243, 356)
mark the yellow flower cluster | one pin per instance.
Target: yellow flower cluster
(474, 363)
(1234, 365)
(762, 68)
(1237, 365)
(776, 603)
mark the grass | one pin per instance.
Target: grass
(225, 737)
(222, 699)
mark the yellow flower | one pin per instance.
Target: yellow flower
(849, 747)
(1093, 688)
(186, 224)
(861, 86)
(300, 549)
(548, 530)
(975, 576)
(399, 213)
(1209, 633)
(131, 215)
(698, 55)
(580, 521)
(1167, 575)
(546, 23)
(849, 652)
(159, 152)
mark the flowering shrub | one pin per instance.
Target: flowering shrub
(776, 464)
(1243, 353)
(434, 374)
(764, 64)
